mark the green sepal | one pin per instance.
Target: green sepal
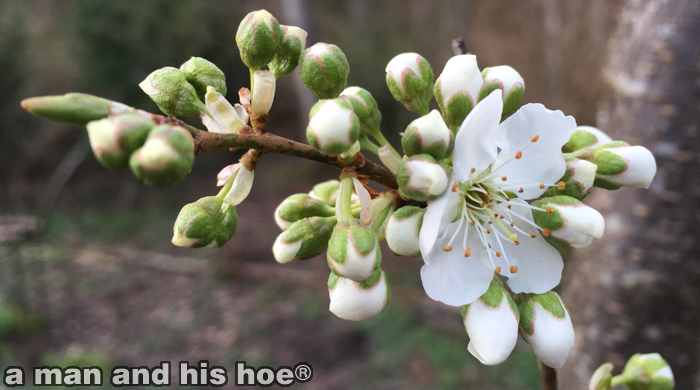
(200, 220)
(361, 236)
(549, 301)
(287, 56)
(314, 233)
(228, 226)
(299, 206)
(366, 109)
(411, 142)
(173, 94)
(579, 139)
(456, 109)
(417, 91)
(327, 191)
(202, 73)
(608, 162)
(333, 279)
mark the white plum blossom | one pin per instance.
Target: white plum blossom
(482, 225)
(222, 117)
(242, 182)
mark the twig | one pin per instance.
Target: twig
(549, 377)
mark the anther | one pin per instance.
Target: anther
(510, 206)
(501, 217)
(549, 210)
(488, 230)
(454, 187)
(512, 224)
(467, 252)
(518, 155)
(488, 194)
(498, 254)
(482, 204)
(504, 178)
(507, 199)
(546, 232)
(517, 242)
(497, 271)
(521, 190)
(535, 138)
(533, 235)
(490, 222)
(561, 186)
(473, 170)
(472, 223)
(495, 215)
(488, 206)
(513, 269)
(447, 248)
(541, 186)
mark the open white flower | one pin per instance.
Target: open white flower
(223, 117)
(482, 225)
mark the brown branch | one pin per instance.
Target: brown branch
(549, 377)
(273, 144)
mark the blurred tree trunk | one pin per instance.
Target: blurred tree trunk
(638, 288)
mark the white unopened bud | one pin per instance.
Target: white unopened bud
(457, 89)
(333, 126)
(647, 372)
(263, 93)
(568, 221)
(410, 79)
(242, 182)
(546, 326)
(304, 239)
(402, 230)
(509, 81)
(422, 178)
(353, 250)
(428, 134)
(492, 324)
(622, 165)
(358, 301)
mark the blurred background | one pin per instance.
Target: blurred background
(87, 272)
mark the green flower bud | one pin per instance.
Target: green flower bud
(546, 325)
(428, 134)
(113, 139)
(207, 221)
(287, 56)
(620, 164)
(507, 80)
(646, 372)
(410, 80)
(457, 89)
(300, 206)
(166, 158)
(258, 37)
(358, 301)
(585, 137)
(577, 180)
(326, 191)
(365, 107)
(202, 74)
(304, 239)
(422, 178)
(324, 70)
(353, 250)
(169, 89)
(602, 378)
(567, 222)
(333, 126)
(77, 108)
(402, 231)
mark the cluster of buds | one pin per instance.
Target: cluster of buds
(642, 372)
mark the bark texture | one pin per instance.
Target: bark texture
(638, 288)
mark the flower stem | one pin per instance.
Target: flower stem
(549, 377)
(227, 187)
(346, 187)
(252, 81)
(368, 145)
(383, 141)
(619, 380)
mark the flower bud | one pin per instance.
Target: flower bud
(114, 138)
(647, 372)
(428, 134)
(457, 89)
(622, 165)
(602, 378)
(166, 158)
(263, 93)
(578, 179)
(358, 301)
(333, 126)
(169, 89)
(205, 222)
(388, 158)
(585, 137)
(353, 250)
(402, 231)
(258, 38)
(492, 325)
(546, 325)
(299, 206)
(326, 191)
(76, 108)
(422, 178)
(365, 107)
(304, 239)
(287, 56)
(324, 70)
(242, 178)
(410, 80)
(507, 80)
(223, 117)
(202, 74)
(567, 222)
(380, 210)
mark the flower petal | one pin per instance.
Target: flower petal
(538, 134)
(450, 277)
(365, 199)
(222, 111)
(226, 173)
(212, 125)
(475, 145)
(438, 214)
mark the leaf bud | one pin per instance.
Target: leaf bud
(428, 134)
(546, 325)
(358, 301)
(333, 126)
(114, 138)
(165, 158)
(402, 231)
(169, 89)
(507, 80)
(410, 80)
(324, 70)
(287, 56)
(457, 89)
(422, 178)
(202, 74)
(304, 239)
(299, 206)
(353, 250)
(568, 222)
(258, 37)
